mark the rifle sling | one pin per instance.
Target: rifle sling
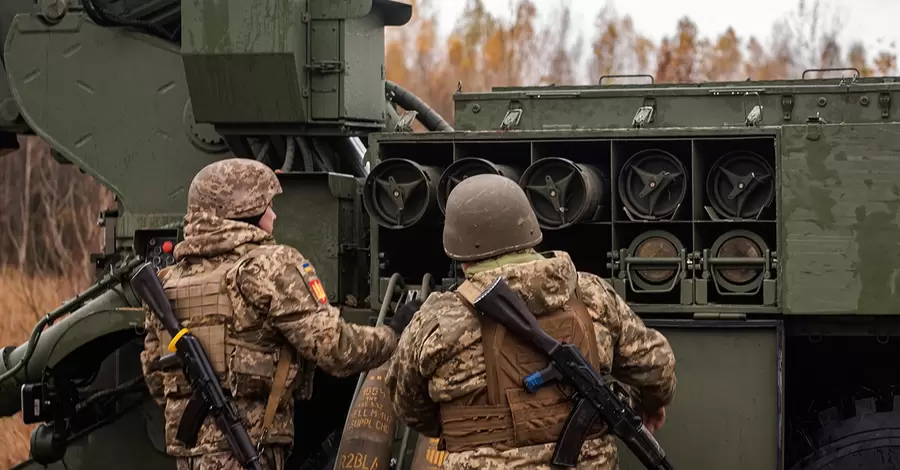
(279, 383)
(468, 291)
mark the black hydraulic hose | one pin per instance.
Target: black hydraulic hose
(427, 116)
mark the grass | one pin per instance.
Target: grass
(23, 301)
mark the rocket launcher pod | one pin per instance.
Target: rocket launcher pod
(400, 193)
(593, 398)
(563, 193)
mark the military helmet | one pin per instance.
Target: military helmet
(235, 188)
(488, 215)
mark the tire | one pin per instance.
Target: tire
(868, 440)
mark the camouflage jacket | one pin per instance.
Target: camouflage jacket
(270, 291)
(440, 357)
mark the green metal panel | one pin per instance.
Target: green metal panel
(305, 62)
(126, 444)
(841, 198)
(242, 59)
(324, 45)
(315, 216)
(727, 412)
(65, 94)
(676, 105)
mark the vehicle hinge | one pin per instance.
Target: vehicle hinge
(787, 106)
(884, 101)
(350, 248)
(328, 66)
(720, 316)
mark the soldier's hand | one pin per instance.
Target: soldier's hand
(654, 421)
(404, 315)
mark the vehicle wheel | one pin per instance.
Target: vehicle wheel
(868, 440)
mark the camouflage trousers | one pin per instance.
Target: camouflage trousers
(271, 458)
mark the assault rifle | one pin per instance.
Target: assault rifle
(592, 396)
(208, 394)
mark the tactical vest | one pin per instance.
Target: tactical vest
(506, 415)
(252, 363)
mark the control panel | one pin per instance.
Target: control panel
(157, 246)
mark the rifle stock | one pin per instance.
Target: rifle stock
(593, 397)
(504, 306)
(208, 394)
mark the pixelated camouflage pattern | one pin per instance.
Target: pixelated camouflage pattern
(271, 458)
(271, 300)
(234, 188)
(440, 357)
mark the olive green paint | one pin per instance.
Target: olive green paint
(137, 427)
(741, 415)
(676, 105)
(120, 105)
(319, 222)
(288, 62)
(97, 318)
(840, 199)
(142, 151)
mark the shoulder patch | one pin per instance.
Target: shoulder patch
(316, 289)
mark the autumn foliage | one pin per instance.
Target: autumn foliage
(540, 46)
(48, 211)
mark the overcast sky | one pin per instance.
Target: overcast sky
(872, 21)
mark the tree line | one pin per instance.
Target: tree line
(526, 47)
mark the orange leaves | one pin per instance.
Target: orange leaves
(395, 62)
(618, 49)
(495, 51)
(455, 50)
(885, 63)
(535, 43)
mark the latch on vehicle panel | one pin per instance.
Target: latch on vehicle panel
(884, 102)
(642, 117)
(511, 119)
(814, 127)
(787, 106)
(328, 66)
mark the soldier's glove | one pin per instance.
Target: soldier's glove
(404, 315)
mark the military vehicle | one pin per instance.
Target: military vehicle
(754, 223)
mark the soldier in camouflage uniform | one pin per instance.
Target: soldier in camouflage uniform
(260, 312)
(447, 381)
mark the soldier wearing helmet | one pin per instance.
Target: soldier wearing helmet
(260, 312)
(457, 376)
